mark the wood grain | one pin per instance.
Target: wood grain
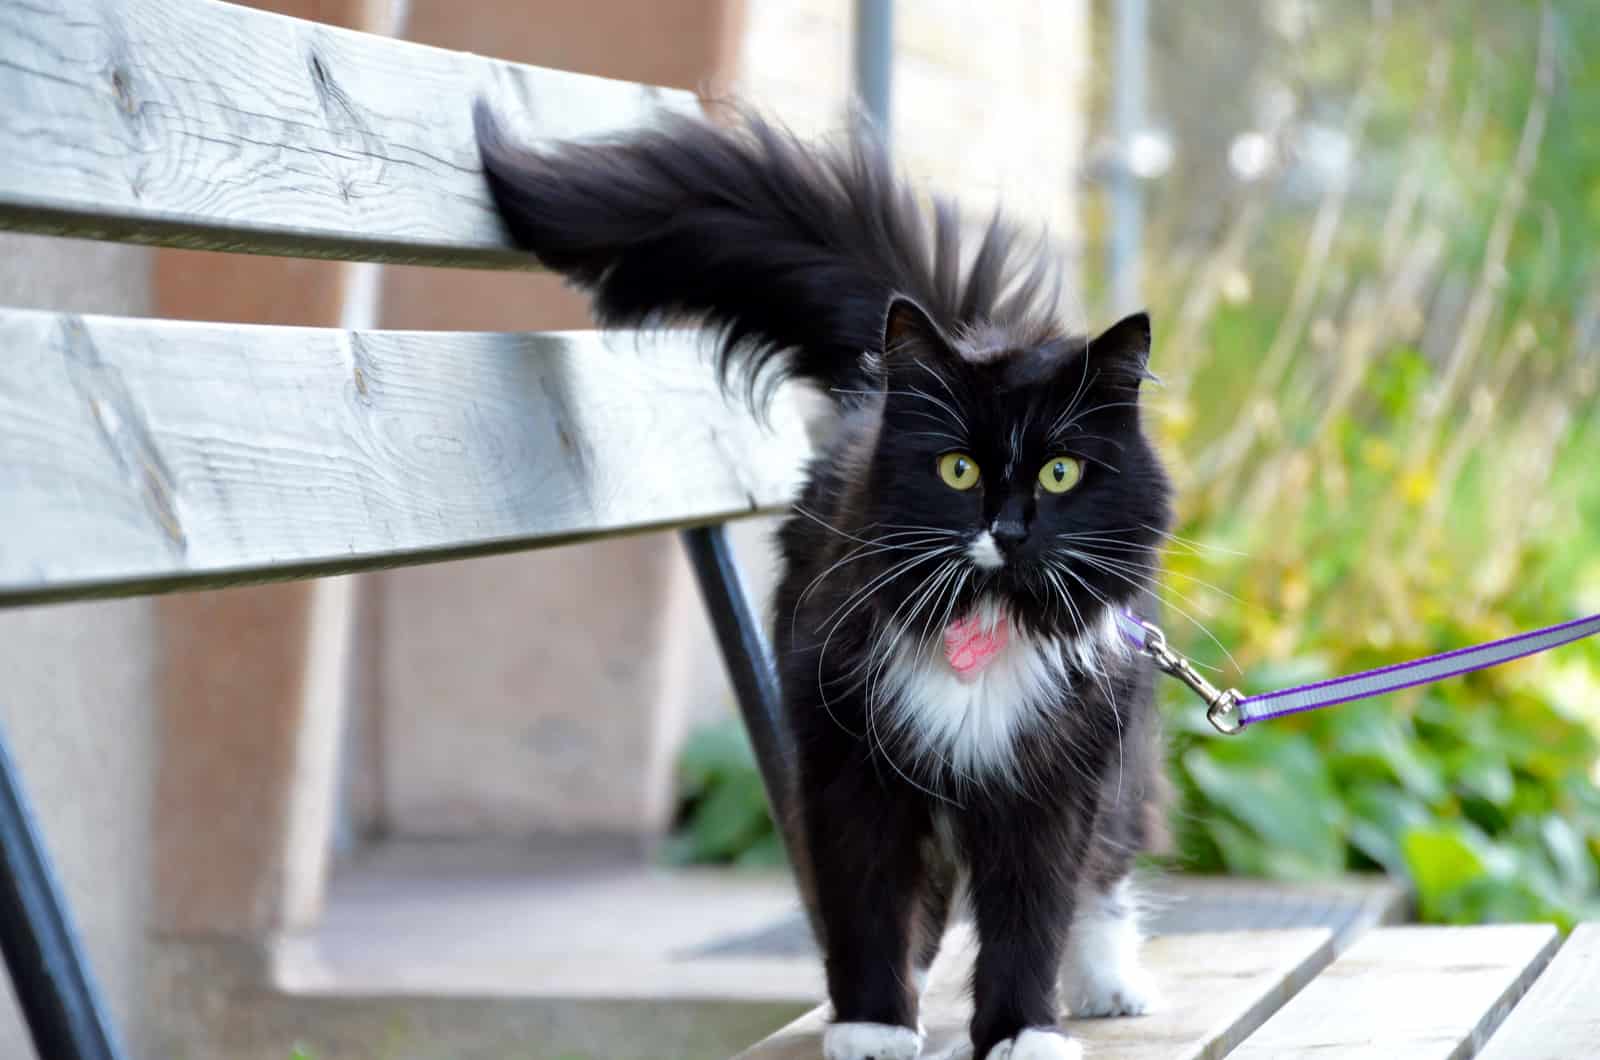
(1423, 993)
(1216, 989)
(200, 124)
(137, 456)
(1559, 1018)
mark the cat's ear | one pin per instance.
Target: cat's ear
(909, 334)
(1120, 355)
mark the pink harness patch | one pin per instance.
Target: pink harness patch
(970, 649)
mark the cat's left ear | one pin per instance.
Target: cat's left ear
(909, 334)
(1120, 355)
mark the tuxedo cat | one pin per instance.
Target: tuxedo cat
(966, 716)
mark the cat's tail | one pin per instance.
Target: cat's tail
(791, 255)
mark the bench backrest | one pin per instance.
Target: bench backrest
(140, 455)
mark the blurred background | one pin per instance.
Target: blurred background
(408, 803)
(1365, 232)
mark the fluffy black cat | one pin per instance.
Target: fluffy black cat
(967, 717)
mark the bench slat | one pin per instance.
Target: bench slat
(1559, 1019)
(201, 124)
(138, 455)
(1216, 989)
(1423, 993)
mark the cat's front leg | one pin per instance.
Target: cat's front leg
(865, 848)
(1024, 867)
(1103, 975)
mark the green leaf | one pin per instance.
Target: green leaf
(712, 752)
(1446, 859)
(1243, 853)
(765, 853)
(1382, 815)
(1482, 774)
(1278, 790)
(732, 815)
(1373, 741)
(1569, 855)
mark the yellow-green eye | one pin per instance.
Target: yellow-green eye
(959, 471)
(1060, 474)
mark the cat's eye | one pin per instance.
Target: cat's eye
(1060, 474)
(958, 470)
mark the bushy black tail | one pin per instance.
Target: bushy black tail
(793, 254)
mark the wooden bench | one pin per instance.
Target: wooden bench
(144, 456)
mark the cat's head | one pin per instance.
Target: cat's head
(1020, 473)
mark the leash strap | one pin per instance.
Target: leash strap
(1230, 710)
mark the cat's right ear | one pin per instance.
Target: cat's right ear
(1120, 355)
(909, 333)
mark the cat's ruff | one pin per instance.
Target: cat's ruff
(972, 721)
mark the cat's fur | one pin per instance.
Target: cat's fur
(1030, 787)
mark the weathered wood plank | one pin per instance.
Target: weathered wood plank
(1423, 993)
(201, 124)
(143, 455)
(1216, 989)
(1559, 1019)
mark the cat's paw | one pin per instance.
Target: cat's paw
(1126, 992)
(870, 1041)
(1037, 1043)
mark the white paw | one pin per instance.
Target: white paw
(1127, 992)
(870, 1041)
(1038, 1043)
(1101, 975)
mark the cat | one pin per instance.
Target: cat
(966, 715)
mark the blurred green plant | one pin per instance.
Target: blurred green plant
(723, 817)
(1382, 409)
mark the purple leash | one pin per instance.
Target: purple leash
(1230, 710)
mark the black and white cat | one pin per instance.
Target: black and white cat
(966, 715)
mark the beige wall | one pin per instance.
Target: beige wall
(76, 697)
(545, 692)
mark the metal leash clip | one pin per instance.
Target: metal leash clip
(1222, 705)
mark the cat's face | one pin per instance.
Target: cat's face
(1014, 477)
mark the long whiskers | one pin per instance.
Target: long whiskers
(1146, 585)
(1100, 550)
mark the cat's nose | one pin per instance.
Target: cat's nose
(1009, 534)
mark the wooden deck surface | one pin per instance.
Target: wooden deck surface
(1507, 992)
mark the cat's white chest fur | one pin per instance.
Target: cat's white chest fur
(973, 723)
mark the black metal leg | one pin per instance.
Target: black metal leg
(53, 984)
(749, 663)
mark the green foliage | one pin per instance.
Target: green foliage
(1477, 791)
(1414, 478)
(723, 812)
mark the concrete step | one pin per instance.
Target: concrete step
(578, 949)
